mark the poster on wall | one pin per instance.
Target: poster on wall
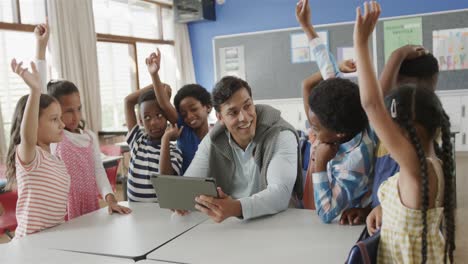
(301, 51)
(451, 48)
(401, 32)
(346, 53)
(232, 61)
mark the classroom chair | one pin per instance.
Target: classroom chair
(8, 199)
(304, 147)
(8, 219)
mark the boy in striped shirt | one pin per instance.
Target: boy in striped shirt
(150, 149)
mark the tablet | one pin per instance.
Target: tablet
(178, 192)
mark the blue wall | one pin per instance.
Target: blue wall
(239, 16)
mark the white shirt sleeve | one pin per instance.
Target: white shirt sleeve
(101, 175)
(200, 164)
(53, 148)
(42, 69)
(281, 176)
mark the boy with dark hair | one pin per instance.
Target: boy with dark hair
(343, 156)
(341, 162)
(190, 114)
(147, 146)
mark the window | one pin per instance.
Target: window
(13, 44)
(115, 81)
(32, 11)
(168, 70)
(128, 31)
(6, 11)
(168, 23)
(138, 19)
(27, 12)
(16, 41)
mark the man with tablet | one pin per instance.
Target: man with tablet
(253, 155)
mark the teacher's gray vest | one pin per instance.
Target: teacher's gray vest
(269, 125)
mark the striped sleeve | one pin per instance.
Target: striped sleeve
(34, 164)
(43, 188)
(133, 136)
(176, 159)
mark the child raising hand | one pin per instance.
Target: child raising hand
(42, 179)
(414, 200)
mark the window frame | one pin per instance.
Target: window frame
(134, 40)
(17, 25)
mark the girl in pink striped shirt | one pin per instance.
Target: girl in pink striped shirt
(79, 148)
(41, 178)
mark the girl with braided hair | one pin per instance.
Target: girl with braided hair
(414, 201)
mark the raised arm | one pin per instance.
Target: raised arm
(153, 62)
(371, 95)
(307, 86)
(303, 16)
(325, 61)
(41, 33)
(29, 125)
(130, 101)
(313, 80)
(388, 78)
(172, 133)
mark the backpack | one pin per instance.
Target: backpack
(365, 250)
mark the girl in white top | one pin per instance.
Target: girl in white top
(41, 178)
(80, 147)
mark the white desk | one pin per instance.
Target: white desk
(18, 254)
(123, 146)
(110, 161)
(149, 261)
(128, 236)
(294, 236)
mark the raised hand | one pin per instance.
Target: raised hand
(173, 132)
(41, 32)
(153, 62)
(412, 51)
(32, 79)
(303, 13)
(348, 66)
(365, 24)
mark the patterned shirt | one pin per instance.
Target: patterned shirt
(384, 168)
(43, 187)
(144, 161)
(325, 60)
(346, 182)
